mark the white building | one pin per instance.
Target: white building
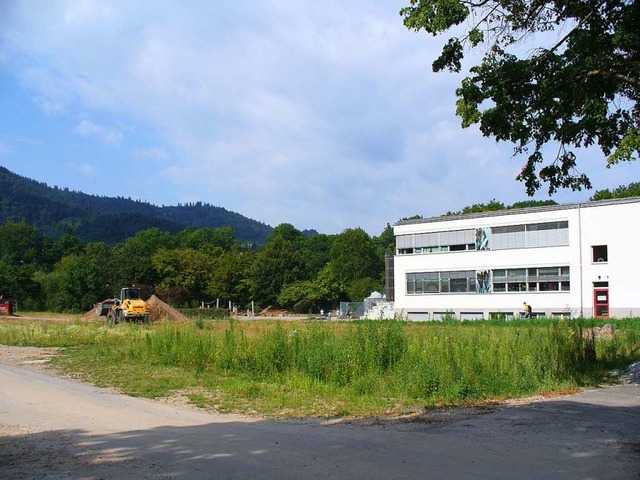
(563, 260)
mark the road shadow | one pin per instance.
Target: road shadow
(572, 438)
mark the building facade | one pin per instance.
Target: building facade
(577, 260)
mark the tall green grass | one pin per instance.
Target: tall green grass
(366, 362)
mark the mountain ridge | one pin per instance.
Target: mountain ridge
(94, 218)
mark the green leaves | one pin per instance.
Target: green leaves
(450, 58)
(579, 90)
(434, 16)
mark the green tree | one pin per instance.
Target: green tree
(302, 293)
(317, 251)
(355, 260)
(199, 238)
(577, 88)
(68, 244)
(17, 281)
(231, 278)
(100, 254)
(386, 242)
(81, 282)
(491, 206)
(354, 256)
(531, 203)
(22, 244)
(288, 232)
(307, 296)
(279, 263)
(631, 190)
(185, 267)
(361, 288)
(132, 258)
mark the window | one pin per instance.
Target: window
(499, 275)
(549, 234)
(441, 282)
(454, 241)
(411, 283)
(431, 283)
(600, 254)
(458, 284)
(542, 279)
(534, 279)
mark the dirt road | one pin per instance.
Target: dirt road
(56, 428)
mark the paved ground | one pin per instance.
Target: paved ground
(55, 428)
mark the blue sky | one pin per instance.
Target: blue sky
(325, 114)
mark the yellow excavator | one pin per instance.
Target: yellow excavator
(128, 308)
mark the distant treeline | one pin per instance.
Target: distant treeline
(291, 270)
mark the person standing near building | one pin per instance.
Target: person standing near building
(527, 310)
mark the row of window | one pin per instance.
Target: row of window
(533, 279)
(439, 316)
(547, 234)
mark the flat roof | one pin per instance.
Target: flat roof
(520, 211)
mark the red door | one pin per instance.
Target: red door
(601, 302)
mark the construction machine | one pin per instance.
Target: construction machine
(129, 307)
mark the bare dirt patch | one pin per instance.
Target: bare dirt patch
(29, 357)
(41, 316)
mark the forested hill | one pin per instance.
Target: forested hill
(106, 219)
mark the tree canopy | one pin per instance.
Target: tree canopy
(623, 191)
(577, 87)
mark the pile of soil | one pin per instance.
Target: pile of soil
(271, 311)
(92, 315)
(159, 310)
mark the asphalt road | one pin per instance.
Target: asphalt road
(55, 428)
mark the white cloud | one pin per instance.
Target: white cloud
(322, 114)
(86, 13)
(85, 169)
(152, 153)
(109, 136)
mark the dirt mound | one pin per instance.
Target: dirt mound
(92, 315)
(159, 310)
(271, 311)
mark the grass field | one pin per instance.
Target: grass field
(311, 368)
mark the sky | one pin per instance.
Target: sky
(325, 115)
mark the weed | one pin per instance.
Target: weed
(296, 368)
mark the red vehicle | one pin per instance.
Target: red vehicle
(6, 306)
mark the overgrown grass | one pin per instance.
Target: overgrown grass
(357, 368)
